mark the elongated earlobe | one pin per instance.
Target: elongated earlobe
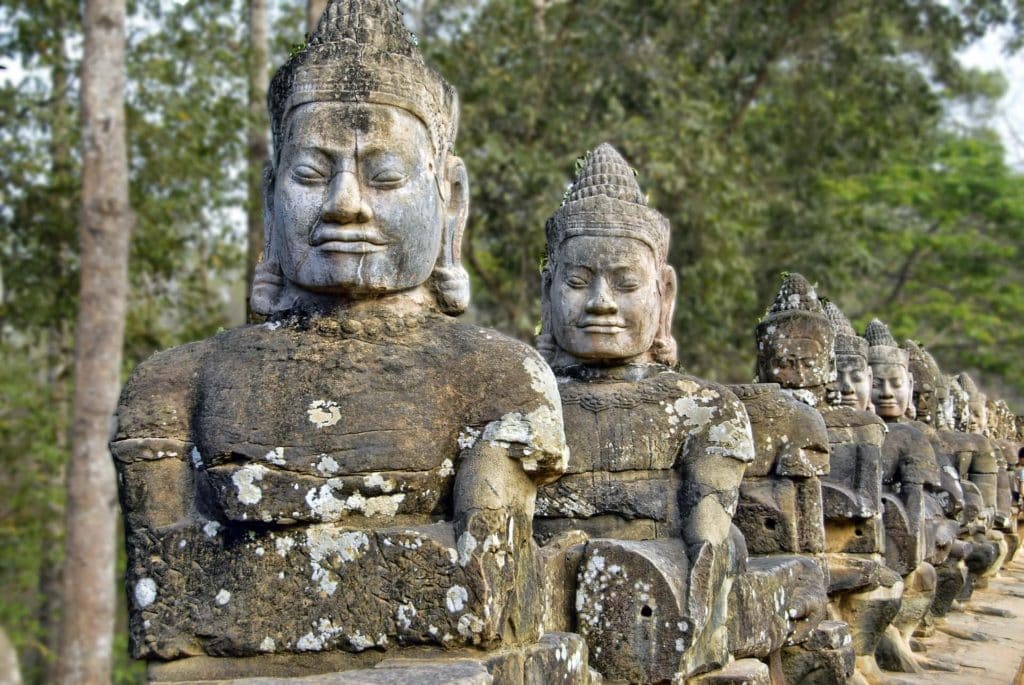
(664, 350)
(449, 280)
(268, 281)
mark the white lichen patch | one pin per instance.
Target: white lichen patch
(210, 528)
(468, 437)
(327, 465)
(447, 468)
(470, 626)
(322, 503)
(404, 616)
(456, 598)
(197, 458)
(360, 642)
(245, 480)
(466, 545)
(694, 416)
(260, 551)
(375, 481)
(539, 432)
(223, 597)
(268, 644)
(283, 545)
(323, 413)
(732, 438)
(275, 456)
(145, 592)
(385, 505)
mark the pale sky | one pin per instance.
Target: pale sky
(1009, 118)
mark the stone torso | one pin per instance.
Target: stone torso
(345, 437)
(629, 444)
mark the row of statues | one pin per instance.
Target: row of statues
(367, 487)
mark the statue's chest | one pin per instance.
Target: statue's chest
(325, 407)
(622, 426)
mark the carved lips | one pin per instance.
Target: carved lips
(601, 326)
(351, 240)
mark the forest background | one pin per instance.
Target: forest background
(843, 139)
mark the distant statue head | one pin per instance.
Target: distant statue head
(929, 388)
(365, 196)
(959, 412)
(977, 407)
(893, 386)
(795, 340)
(607, 290)
(852, 369)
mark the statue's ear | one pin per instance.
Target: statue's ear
(456, 211)
(450, 280)
(268, 281)
(664, 350)
(545, 340)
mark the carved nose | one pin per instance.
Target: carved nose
(600, 301)
(344, 203)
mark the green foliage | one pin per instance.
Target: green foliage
(755, 128)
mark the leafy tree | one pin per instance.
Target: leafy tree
(740, 118)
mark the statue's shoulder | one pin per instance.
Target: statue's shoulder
(714, 414)
(484, 353)
(156, 399)
(850, 417)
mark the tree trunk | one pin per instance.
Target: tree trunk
(105, 224)
(259, 81)
(314, 8)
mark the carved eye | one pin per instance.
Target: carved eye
(627, 284)
(576, 282)
(307, 174)
(388, 177)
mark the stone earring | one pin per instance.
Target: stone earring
(451, 288)
(267, 284)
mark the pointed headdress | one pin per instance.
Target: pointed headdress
(848, 343)
(882, 347)
(605, 200)
(795, 313)
(362, 52)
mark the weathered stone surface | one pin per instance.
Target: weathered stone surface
(775, 602)
(455, 672)
(657, 456)
(780, 507)
(357, 476)
(640, 619)
(825, 658)
(739, 672)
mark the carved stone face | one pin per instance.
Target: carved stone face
(797, 362)
(854, 381)
(356, 206)
(604, 298)
(977, 418)
(891, 390)
(925, 402)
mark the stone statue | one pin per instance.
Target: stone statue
(358, 474)
(644, 509)
(796, 344)
(909, 471)
(944, 507)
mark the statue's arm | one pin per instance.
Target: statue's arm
(715, 455)
(152, 446)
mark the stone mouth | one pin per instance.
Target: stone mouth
(348, 240)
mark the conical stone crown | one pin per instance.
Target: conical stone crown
(847, 340)
(605, 172)
(795, 313)
(877, 333)
(796, 292)
(882, 347)
(606, 200)
(362, 52)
